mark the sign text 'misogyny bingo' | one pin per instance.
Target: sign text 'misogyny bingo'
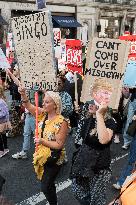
(26, 31)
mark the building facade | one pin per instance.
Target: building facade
(102, 18)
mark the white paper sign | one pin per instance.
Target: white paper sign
(33, 38)
(106, 58)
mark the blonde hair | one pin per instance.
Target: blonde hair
(57, 100)
(2, 92)
(100, 84)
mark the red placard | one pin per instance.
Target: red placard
(132, 38)
(74, 55)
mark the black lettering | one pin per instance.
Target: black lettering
(21, 20)
(93, 72)
(116, 56)
(44, 86)
(19, 35)
(87, 71)
(26, 19)
(112, 75)
(97, 54)
(116, 75)
(104, 55)
(110, 55)
(44, 29)
(37, 34)
(98, 44)
(98, 72)
(108, 75)
(107, 65)
(105, 44)
(23, 32)
(121, 75)
(43, 15)
(28, 31)
(111, 45)
(33, 17)
(113, 65)
(102, 64)
(103, 74)
(96, 64)
(118, 45)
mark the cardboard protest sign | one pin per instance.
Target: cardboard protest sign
(130, 74)
(74, 55)
(4, 64)
(132, 39)
(106, 58)
(33, 38)
(57, 41)
(62, 60)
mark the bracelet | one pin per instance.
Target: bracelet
(24, 101)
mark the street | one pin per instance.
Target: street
(23, 188)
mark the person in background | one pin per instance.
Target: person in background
(95, 130)
(130, 163)
(53, 129)
(131, 109)
(70, 88)
(4, 123)
(67, 106)
(15, 108)
(128, 190)
(29, 126)
(14, 88)
(118, 116)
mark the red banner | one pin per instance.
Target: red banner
(132, 38)
(74, 55)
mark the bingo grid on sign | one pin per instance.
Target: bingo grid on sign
(34, 49)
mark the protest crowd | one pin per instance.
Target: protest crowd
(97, 110)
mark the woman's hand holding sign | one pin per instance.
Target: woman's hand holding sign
(17, 82)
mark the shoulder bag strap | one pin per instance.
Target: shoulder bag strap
(43, 125)
(85, 129)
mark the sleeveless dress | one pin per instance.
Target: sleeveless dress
(41, 156)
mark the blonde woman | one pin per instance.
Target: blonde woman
(4, 123)
(91, 170)
(52, 136)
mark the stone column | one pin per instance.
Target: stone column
(6, 14)
(124, 19)
(95, 22)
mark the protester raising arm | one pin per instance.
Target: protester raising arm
(30, 107)
(104, 134)
(25, 101)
